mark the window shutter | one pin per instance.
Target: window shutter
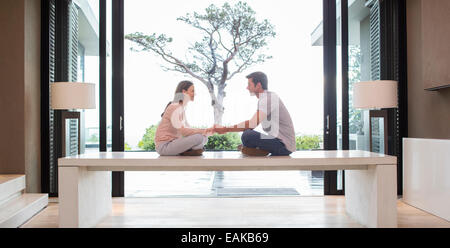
(375, 41)
(73, 43)
(375, 63)
(72, 129)
(377, 138)
(63, 66)
(53, 186)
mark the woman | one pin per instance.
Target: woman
(173, 135)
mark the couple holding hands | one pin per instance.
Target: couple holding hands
(175, 137)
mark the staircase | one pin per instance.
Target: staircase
(16, 206)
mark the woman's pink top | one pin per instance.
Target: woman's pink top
(173, 125)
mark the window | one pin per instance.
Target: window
(295, 73)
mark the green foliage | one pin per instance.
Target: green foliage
(354, 76)
(148, 140)
(226, 142)
(308, 142)
(127, 147)
(93, 139)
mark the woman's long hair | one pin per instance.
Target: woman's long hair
(178, 97)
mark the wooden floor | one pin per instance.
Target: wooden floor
(290, 211)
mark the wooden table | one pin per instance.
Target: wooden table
(370, 179)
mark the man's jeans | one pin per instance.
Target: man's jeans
(253, 139)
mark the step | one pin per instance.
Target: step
(11, 186)
(17, 211)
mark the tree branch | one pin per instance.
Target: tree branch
(179, 63)
(240, 69)
(221, 43)
(212, 49)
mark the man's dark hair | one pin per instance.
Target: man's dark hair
(259, 77)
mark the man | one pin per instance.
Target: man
(275, 120)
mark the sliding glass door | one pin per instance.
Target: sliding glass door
(319, 50)
(370, 46)
(144, 85)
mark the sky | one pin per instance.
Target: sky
(295, 73)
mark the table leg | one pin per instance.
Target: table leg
(84, 196)
(371, 195)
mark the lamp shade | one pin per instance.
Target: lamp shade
(375, 94)
(72, 95)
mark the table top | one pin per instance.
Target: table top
(228, 160)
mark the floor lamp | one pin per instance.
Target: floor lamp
(67, 96)
(376, 96)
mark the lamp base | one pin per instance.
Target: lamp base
(378, 131)
(69, 132)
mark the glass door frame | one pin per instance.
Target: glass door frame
(330, 133)
(330, 73)
(393, 66)
(118, 137)
(330, 93)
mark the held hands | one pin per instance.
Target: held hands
(208, 132)
(220, 129)
(215, 129)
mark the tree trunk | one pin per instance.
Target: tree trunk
(218, 113)
(217, 103)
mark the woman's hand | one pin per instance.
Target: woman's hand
(209, 131)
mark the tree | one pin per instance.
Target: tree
(232, 41)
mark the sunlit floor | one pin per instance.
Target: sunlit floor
(228, 183)
(289, 211)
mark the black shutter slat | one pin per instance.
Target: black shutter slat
(375, 49)
(72, 68)
(53, 187)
